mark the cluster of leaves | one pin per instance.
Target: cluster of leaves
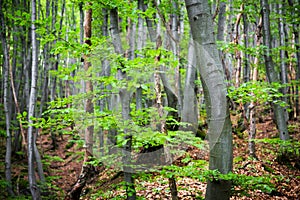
(198, 169)
(284, 147)
(258, 92)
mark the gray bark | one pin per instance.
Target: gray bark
(125, 102)
(104, 102)
(174, 40)
(35, 193)
(229, 38)
(81, 13)
(295, 15)
(246, 69)
(140, 44)
(252, 117)
(149, 22)
(8, 153)
(220, 33)
(272, 76)
(212, 77)
(190, 106)
(283, 67)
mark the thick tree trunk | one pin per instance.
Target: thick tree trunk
(212, 77)
(272, 76)
(8, 153)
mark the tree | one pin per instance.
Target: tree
(272, 75)
(87, 170)
(6, 102)
(35, 192)
(190, 106)
(212, 78)
(125, 102)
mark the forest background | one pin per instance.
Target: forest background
(100, 98)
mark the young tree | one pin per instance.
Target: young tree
(125, 102)
(87, 170)
(6, 102)
(35, 192)
(212, 77)
(190, 106)
(272, 75)
(89, 108)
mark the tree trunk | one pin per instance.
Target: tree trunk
(220, 34)
(35, 192)
(212, 77)
(272, 76)
(8, 153)
(88, 171)
(89, 108)
(246, 69)
(294, 4)
(140, 44)
(283, 68)
(252, 106)
(190, 105)
(125, 102)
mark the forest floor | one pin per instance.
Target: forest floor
(63, 166)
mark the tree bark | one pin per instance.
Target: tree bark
(272, 76)
(295, 15)
(35, 192)
(283, 67)
(88, 171)
(252, 106)
(89, 107)
(212, 77)
(190, 105)
(8, 153)
(125, 102)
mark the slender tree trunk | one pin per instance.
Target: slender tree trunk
(140, 44)
(89, 108)
(220, 33)
(104, 102)
(283, 67)
(174, 40)
(272, 76)
(88, 171)
(246, 69)
(162, 122)
(190, 105)
(238, 54)
(294, 4)
(252, 106)
(46, 65)
(125, 102)
(35, 192)
(212, 77)
(6, 59)
(151, 28)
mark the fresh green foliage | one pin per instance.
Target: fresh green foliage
(289, 147)
(259, 92)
